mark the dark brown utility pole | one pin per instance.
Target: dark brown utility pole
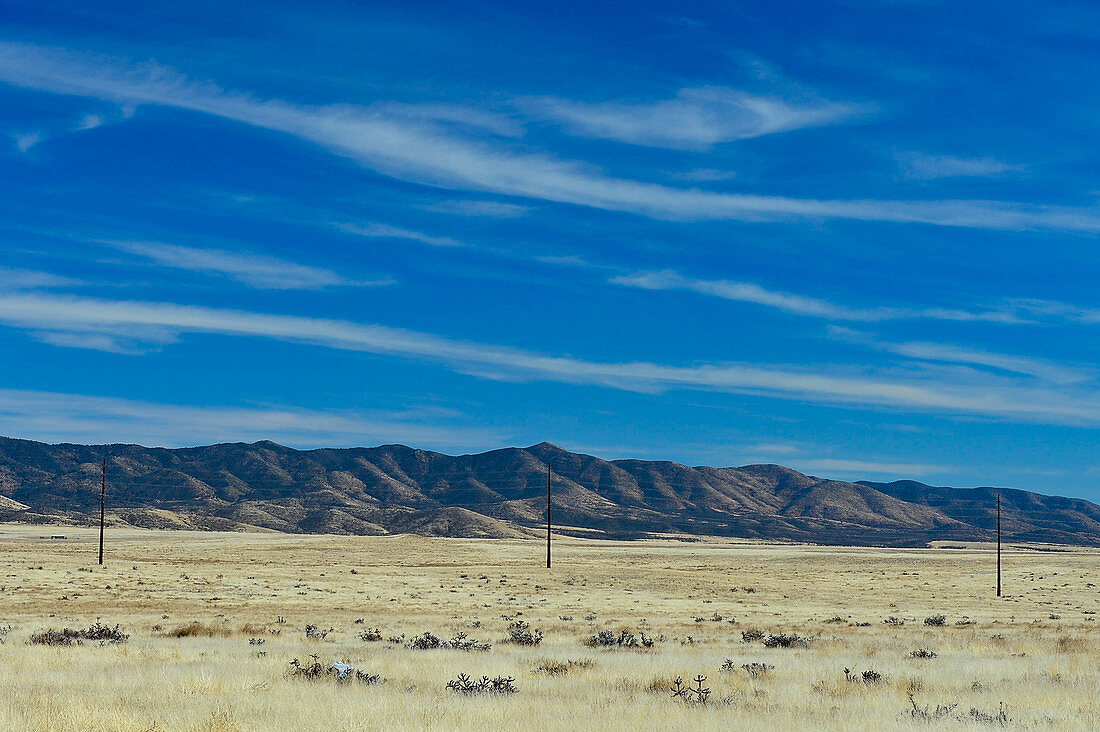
(548, 515)
(102, 509)
(998, 545)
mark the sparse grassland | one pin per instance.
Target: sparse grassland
(786, 637)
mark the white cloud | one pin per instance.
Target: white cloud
(58, 417)
(949, 353)
(963, 393)
(423, 153)
(91, 121)
(1039, 368)
(800, 304)
(487, 209)
(385, 231)
(1058, 311)
(93, 342)
(929, 167)
(451, 113)
(695, 119)
(26, 140)
(861, 467)
(12, 278)
(705, 175)
(254, 270)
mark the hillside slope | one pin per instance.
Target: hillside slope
(502, 494)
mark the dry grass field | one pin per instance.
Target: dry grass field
(214, 621)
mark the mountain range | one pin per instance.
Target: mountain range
(502, 494)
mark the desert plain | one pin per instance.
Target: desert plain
(787, 636)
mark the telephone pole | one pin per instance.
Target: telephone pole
(998, 545)
(102, 509)
(548, 515)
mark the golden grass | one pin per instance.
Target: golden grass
(193, 601)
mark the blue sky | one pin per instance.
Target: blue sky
(856, 238)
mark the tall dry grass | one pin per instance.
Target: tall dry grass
(196, 607)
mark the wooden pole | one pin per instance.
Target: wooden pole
(548, 515)
(102, 509)
(998, 545)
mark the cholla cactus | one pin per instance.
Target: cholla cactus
(625, 639)
(498, 685)
(520, 633)
(697, 694)
(461, 642)
(370, 634)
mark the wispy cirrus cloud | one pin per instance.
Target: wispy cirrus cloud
(959, 392)
(486, 209)
(795, 304)
(1058, 311)
(14, 278)
(695, 119)
(866, 467)
(425, 153)
(930, 167)
(385, 231)
(24, 141)
(61, 417)
(255, 270)
(949, 353)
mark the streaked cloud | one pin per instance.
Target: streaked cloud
(91, 121)
(862, 467)
(477, 119)
(800, 304)
(487, 209)
(24, 141)
(14, 278)
(929, 167)
(254, 270)
(957, 392)
(1039, 368)
(385, 231)
(949, 353)
(1058, 311)
(694, 119)
(424, 153)
(61, 417)
(704, 175)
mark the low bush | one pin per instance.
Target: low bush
(195, 629)
(751, 635)
(339, 672)
(783, 640)
(625, 639)
(498, 685)
(869, 676)
(551, 667)
(461, 642)
(697, 694)
(103, 634)
(520, 633)
(315, 633)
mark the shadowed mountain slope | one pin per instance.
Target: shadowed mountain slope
(502, 494)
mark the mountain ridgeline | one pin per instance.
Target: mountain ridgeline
(502, 494)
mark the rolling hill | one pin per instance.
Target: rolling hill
(502, 494)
